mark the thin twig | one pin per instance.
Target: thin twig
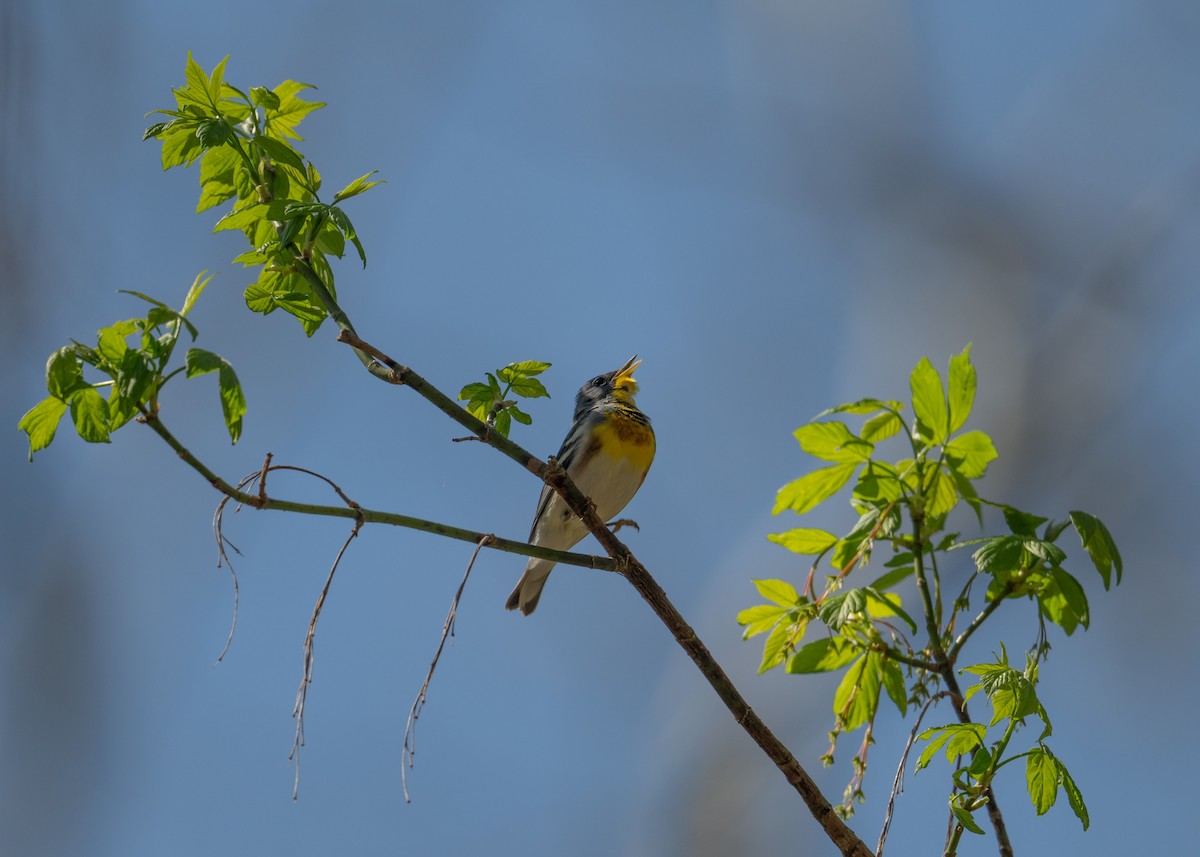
(898, 782)
(223, 558)
(414, 713)
(306, 680)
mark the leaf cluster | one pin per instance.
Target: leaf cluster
(884, 646)
(135, 355)
(245, 145)
(1012, 695)
(489, 401)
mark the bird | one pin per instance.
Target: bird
(607, 453)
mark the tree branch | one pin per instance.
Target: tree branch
(637, 575)
(371, 516)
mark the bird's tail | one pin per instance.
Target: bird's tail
(529, 588)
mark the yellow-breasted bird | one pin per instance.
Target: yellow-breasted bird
(607, 453)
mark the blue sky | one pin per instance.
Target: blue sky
(780, 206)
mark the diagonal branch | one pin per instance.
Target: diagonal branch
(632, 570)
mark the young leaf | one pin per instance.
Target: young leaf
(194, 292)
(89, 410)
(283, 119)
(520, 416)
(970, 453)
(233, 401)
(857, 697)
(41, 422)
(965, 818)
(881, 427)
(759, 618)
(529, 388)
(929, 402)
(1041, 777)
(1074, 796)
(962, 388)
(281, 152)
(359, 185)
(862, 406)
(958, 739)
(779, 591)
(64, 372)
(1099, 544)
(832, 441)
(805, 541)
(893, 683)
(775, 648)
(809, 491)
(503, 422)
(823, 655)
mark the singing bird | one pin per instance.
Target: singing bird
(607, 453)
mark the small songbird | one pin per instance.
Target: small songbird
(607, 453)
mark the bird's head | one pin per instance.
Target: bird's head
(618, 384)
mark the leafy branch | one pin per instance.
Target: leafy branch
(905, 504)
(243, 142)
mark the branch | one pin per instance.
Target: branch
(369, 516)
(632, 570)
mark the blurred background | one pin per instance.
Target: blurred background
(781, 206)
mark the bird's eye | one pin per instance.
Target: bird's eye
(598, 381)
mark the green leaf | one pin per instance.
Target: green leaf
(282, 120)
(965, 818)
(779, 591)
(242, 216)
(759, 618)
(862, 406)
(199, 362)
(280, 152)
(180, 145)
(1021, 523)
(1064, 602)
(809, 491)
(41, 422)
(1041, 777)
(359, 185)
(961, 388)
(857, 697)
(878, 484)
(526, 368)
(343, 223)
(1099, 544)
(775, 648)
(89, 410)
(529, 388)
(901, 572)
(929, 403)
(881, 604)
(940, 491)
(832, 441)
(218, 177)
(233, 401)
(194, 292)
(805, 541)
(958, 739)
(1074, 796)
(829, 653)
(893, 683)
(264, 97)
(999, 553)
(970, 453)
(64, 373)
(520, 416)
(503, 422)
(881, 426)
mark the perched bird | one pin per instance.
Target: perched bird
(607, 453)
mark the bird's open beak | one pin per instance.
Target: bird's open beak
(624, 378)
